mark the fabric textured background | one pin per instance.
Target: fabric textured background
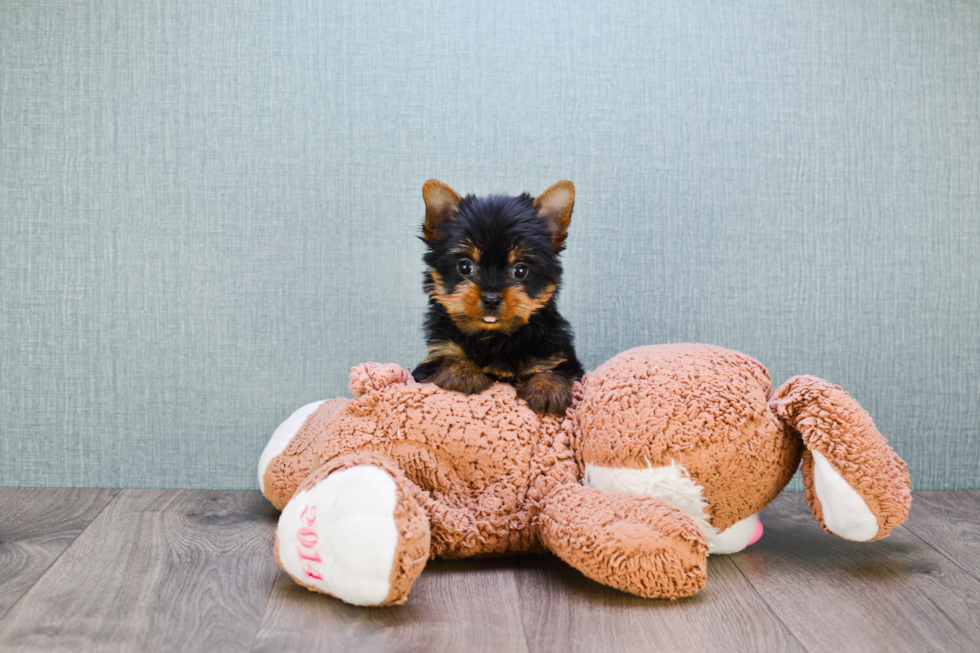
(208, 210)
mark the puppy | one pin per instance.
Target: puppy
(492, 279)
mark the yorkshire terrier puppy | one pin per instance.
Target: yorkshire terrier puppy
(492, 279)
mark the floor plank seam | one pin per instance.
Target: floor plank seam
(768, 606)
(520, 605)
(58, 557)
(968, 572)
(265, 613)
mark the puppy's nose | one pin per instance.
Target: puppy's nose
(491, 301)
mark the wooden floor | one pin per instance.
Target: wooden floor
(147, 570)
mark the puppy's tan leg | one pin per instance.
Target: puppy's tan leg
(449, 368)
(547, 393)
(462, 377)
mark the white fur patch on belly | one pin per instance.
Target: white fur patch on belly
(282, 436)
(671, 484)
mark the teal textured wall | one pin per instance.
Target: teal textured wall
(208, 210)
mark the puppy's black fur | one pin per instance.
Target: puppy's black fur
(492, 279)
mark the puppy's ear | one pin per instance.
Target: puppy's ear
(441, 202)
(555, 208)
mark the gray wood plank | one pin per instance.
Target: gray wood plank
(950, 523)
(36, 526)
(462, 605)
(156, 570)
(565, 611)
(898, 594)
(193, 570)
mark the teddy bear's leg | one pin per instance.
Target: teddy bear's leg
(281, 471)
(674, 485)
(355, 530)
(857, 486)
(640, 545)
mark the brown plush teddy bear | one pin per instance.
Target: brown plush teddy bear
(667, 454)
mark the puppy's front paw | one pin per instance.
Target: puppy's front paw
(546, 393)
(461, 377)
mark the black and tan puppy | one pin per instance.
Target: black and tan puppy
(492, 280)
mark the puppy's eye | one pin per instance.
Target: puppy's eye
(465, 267)
(520, 271)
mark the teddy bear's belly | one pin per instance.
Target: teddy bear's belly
(476, 496)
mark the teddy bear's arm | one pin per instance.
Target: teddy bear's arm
(637, 544)
(857, 486)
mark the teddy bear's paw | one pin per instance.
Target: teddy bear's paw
(737, 536)
(339, 536)
(845, 513)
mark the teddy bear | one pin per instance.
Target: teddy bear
(667, 454)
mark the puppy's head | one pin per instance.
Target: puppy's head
(493, 261)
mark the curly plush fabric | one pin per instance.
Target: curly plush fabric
(290, 468)
(835, 425)
(641, 546)
(702, 407)
(481, 463)
(679, 447)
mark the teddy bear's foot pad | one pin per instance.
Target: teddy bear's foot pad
(737, 536)
(845, 513)
(339, 536)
